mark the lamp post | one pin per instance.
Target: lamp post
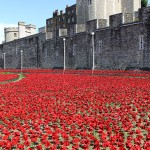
(21, 60)
(64, 53)
(4, 62)
(93, 68)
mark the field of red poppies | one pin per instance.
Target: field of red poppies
(48, 110)
(4, 77)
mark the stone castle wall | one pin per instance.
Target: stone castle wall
(119, 46)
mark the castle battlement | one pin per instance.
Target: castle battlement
(31, 26)
(118, 42)
(21, 23)
(11, 29)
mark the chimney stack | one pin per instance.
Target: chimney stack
(61, 12)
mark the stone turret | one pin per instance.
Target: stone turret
(11, 33)
(21, 27)
(23, 30)
(80, 4)
(26, 30)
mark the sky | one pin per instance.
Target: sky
(30, 11)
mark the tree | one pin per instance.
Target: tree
(144, 3)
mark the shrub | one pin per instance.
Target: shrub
(144, 3)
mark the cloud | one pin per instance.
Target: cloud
(2, 26)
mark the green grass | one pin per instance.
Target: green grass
(21, 76)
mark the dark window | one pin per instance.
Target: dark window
(49, 22)
(90, 2)
(15, 34)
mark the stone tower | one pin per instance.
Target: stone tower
(13, 33)
(96, 9)
(102, 9)
(130, 6)
(22, 28)
(80, 6)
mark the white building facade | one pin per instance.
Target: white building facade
(21, 31)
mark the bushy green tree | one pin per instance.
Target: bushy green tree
(144, 3)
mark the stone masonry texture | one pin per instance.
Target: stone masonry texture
(117, 46)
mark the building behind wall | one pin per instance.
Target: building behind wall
(57, 21)
(62, 19)
(42, 29)
(101, 9)
(122, 44)
(23, 30)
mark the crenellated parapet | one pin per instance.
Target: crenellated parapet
(31, 26)
(11, 29)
